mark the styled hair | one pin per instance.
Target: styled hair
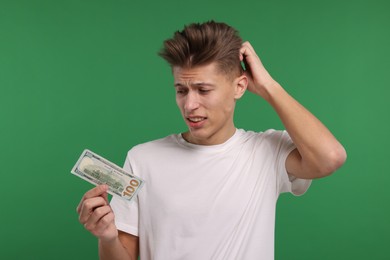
(203, 43)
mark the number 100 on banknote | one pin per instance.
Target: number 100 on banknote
(97, 170)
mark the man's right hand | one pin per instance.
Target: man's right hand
(96, 214)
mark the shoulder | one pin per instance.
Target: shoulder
(276, 135)
(269, 141)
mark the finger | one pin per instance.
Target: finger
(88, 206)
(246, 45)
(97, 191)
(247, 50)
(250, 47)
(99, 213)
(246, 53)
(96, 216)
(105, 197)
(243, 51)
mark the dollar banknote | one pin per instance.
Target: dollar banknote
(97, 170)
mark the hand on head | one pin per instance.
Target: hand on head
(258, 77)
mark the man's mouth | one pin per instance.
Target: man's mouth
(195, 119)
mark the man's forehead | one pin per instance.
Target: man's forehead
(200, 75)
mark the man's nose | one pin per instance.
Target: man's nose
(192, 101)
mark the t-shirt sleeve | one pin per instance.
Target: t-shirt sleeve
(287, 182)
(126, 213)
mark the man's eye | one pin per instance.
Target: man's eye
(204, 91)
(181, 91)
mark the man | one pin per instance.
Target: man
(211, 192)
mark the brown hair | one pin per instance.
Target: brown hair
(201, 44)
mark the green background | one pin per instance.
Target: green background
(85, 74)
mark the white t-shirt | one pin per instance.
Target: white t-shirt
(208, 202)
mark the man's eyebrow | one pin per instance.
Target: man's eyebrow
(178, 85)
(195, 84)
(203, 84)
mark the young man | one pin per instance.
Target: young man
(211, 192)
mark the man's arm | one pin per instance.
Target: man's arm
(114, 249)
(97, 217)
(318, 153)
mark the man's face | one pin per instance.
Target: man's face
(206, 99)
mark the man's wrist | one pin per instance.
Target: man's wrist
(269, 90)
(109, 241)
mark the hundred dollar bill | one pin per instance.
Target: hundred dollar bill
(97, 170)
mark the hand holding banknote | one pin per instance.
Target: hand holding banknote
(94, 210)
(96, 215)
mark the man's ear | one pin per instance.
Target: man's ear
(240, 84)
